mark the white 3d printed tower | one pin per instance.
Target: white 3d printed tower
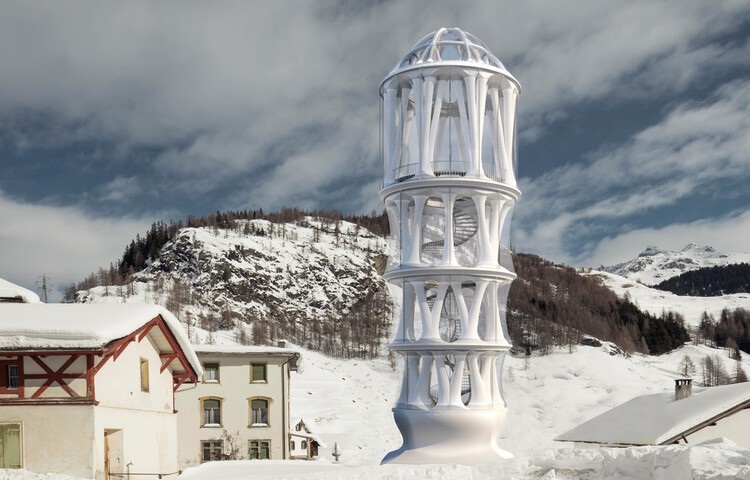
(448, 139)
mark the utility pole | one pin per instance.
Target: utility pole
(43, 287)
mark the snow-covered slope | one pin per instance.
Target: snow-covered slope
(348, 403)
(653, 265)
(657, 301)
(284, 276)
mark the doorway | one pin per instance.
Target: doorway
(113, 453)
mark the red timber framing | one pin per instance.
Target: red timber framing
(61, 375)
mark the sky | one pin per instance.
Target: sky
(633, 123)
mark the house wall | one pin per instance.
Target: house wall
(143, 422)
(53, 362)
(734, 427)
(55, 438)
(299, 451)
(148, 441)
(118, 383)
(235, 389)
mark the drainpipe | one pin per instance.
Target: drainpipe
(284, 409)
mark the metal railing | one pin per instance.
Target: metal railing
(127, 475)
(443, 169)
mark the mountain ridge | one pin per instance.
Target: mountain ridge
(654, 265)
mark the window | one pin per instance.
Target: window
(211, 412)
(259, 449)
(259, 412)
(292, 445)
(13, 376)
(304, 445)
(144, 375)
(10, 445)
(10, 378)
(211, 450)
(211, 372)
(258, 372)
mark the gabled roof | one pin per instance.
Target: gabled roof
(306, 433)
(77, 326)
(660, 419)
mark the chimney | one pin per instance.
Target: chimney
(281, 344)
(683, 387)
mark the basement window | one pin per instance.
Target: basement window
(211, 450)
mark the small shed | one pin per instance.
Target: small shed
(303, 442)
(688, 415)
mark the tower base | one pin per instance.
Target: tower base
(438, 435)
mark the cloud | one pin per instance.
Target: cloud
(120, 188)
(217, 90)
(63, 243)
(694, 151)
(726, 234)
(246, 104)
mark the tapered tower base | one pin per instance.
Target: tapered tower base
(448, 436)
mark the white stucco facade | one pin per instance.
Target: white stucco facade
(735, 427)
(91, 412)
(231, 383)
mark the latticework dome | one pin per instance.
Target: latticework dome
(449, 45)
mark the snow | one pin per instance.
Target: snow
(348, 402)
(11, 290)
(657, 418)
(654, 265)
(657, 301)
(82, 326)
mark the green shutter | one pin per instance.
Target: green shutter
(259, 372)
(10, 446)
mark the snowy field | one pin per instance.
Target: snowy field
(348, 402)
(655, 301)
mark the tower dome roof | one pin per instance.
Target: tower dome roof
(449, 45)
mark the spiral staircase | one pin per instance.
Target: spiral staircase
(465, 225)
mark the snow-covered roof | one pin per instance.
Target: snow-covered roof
(62, 326)
(306, 433)
(10, 290)
(659, 418)
(295, 355)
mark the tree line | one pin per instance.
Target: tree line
(553, 305)
(143, 250)
(731, 330)
(549, 305)
(710, 281)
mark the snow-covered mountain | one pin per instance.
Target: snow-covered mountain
(314, 267)
(277, 280)
(654, 265)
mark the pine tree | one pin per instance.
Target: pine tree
(687, 367)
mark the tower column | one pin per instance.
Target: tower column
(449, 213)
